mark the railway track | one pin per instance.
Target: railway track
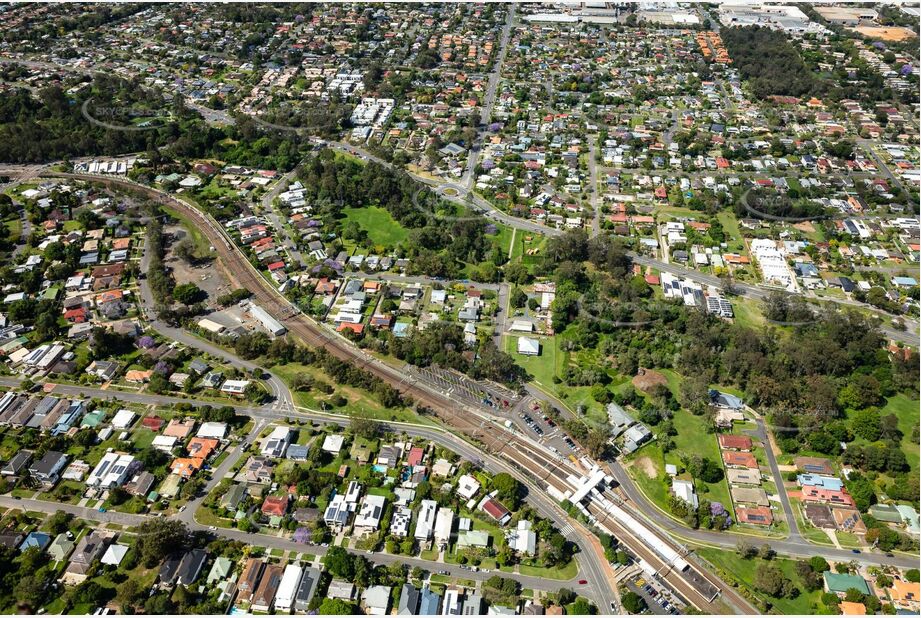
(510, 446)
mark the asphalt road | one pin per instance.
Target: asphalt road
(275, 217)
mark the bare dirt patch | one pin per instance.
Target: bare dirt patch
(885, 34)
(647, 378)
(648, 466)
(207, 275)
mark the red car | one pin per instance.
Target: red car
(582, 582)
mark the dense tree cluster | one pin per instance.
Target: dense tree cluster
(281, 351)
(770, 205)
(442, 344)
(819, 376)
(54, 124)
(436, 247)
(770, 63)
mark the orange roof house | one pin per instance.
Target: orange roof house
(906, 594)
(355, 328)
(179, 429)
(186, 466)
(137, 376)
(734, 459)
(109, 296)
(201, 448)
(757, 515)
(852, 609)
(814, 493)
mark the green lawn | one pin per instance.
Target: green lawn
(565, 572)
(731, 227)
(503, 238)
(143, 438)
(734, 567)
(551, 362)
(359, 402)
(747, 312)
(542, 367)
(382, 228)
(14, 228)
(692, 439)
(907, 412)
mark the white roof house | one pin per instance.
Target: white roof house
(399, 522)
(164, 443)
(376, 600)
(523, 539)
(522, 326)
(333, 444)
(467, 487)
(684, 490)
(353, 492)
(444, 522)
(114, 554)
(287, 589)
(277, 442)
(112, 470)
(528, 346)
(369, 514)
(212, 429)
(123, 419)
(425, 521)
(235, 387)
(337, 512)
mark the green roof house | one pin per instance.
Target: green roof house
(233, 497)
(92, 419)
(220, 570)
(60, 547)
(840, 583)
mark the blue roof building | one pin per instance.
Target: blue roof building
(35, 539)
(430, 602)
(817, 480)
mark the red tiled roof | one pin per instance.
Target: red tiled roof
(415, 456)
(741, 443)
(154, 423)
(495, 509)
(758, 515)
(275, 505)
(355, 328)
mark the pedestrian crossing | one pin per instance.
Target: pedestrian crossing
(567, 530)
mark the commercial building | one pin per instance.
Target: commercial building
(275, 328)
